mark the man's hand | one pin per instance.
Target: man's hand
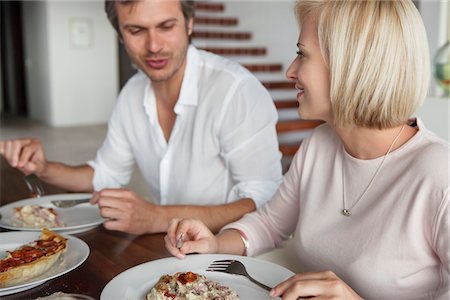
(323, 285)
(128, 212)
(27, 155)
(188, 236)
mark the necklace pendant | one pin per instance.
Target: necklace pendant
(346, 212)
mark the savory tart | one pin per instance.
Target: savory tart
(36, 216)
(189, 286)
(31, 259)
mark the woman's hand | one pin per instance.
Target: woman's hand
(320, 285)
(189, 236)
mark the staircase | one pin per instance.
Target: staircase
(217, 32)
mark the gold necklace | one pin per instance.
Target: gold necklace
(347, 211)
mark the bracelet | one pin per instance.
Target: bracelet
(244, 241)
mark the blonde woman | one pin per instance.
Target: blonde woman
(367, 195)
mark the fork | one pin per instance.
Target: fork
(232, 266)
(34, 185)
(69, 203)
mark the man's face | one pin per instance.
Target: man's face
(155, 36)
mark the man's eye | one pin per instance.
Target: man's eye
(134, 31)
(300, 54)
(167, 27)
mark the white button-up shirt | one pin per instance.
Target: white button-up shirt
(223, 146)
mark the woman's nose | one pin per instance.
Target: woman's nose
(292, 71)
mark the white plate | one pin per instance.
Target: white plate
(76, 254)
(136, 282)
(76, 219)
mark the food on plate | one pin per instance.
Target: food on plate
(31, 259)
(189, 286)
(36, 216)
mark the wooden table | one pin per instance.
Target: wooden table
(110, 252)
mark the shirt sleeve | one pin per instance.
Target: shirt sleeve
(275, 222)
(248, 141)
(114, 161)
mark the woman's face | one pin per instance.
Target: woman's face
(311, 75)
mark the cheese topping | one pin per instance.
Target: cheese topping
(36, 216)
(189, 286)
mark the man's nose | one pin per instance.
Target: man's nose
(154, 42)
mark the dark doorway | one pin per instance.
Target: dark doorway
(126, 67)
(14, 100)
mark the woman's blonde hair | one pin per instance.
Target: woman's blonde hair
(377, 53)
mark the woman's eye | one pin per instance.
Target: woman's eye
(300, 54)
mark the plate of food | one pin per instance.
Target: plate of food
(33, 214)
(166, 279)
(28, 259)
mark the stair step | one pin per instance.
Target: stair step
(294, 137)
(216, 21)
(263, 67)
(288, 115)
(236, 51)
(221, 35)
(203, 43)
(279, 85)
(283, 94)
(245, 60)
(270, 77)
(295, 125)
(210, 7)
(286, 104)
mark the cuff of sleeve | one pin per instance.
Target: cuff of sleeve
(102, 179)
(244, 241)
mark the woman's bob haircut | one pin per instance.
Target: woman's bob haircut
(377, 53)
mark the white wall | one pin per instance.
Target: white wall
(435, 111)
(69, 84)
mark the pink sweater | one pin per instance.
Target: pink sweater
(396, 243)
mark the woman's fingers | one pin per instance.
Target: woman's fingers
(171, 240)
(305, 285)
(196, 237)
(172, 232)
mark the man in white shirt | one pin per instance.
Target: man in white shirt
(200, 128)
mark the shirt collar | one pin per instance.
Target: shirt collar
(189, 86)
(188, 91)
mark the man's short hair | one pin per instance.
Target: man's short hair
(187, 7)
(378, 59)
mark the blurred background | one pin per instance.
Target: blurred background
(62, 67)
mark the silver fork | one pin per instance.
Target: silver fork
(69, 203)
(232, 266)
(34, 185)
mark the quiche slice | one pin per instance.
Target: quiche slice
(189, 286)
(31, 259)
(36, 216)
